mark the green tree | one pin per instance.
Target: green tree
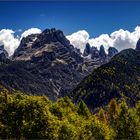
(101, 116)
(67, 132)
(126, 123)
(83, 109)
(96, 130)
(112, 110)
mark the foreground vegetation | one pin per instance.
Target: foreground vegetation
(36, 117)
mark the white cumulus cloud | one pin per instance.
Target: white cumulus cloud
(11, 42)
(136, 33)
(120, 39)
(79, 39)
(30, 31)
(123, 39)
(103, 39)
(8, 40)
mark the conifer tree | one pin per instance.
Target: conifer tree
(83, 109)
(112, 110)
(101, 116)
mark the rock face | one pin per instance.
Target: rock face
(22, 52)
(138, 45)
(3, 53)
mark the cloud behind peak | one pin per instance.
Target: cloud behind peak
(11, 42)
(120, 39)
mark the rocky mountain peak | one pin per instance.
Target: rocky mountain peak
(102, 51)
(49, 46)
(51, 35)
(94, 53)
(94, 58)
(53, 60)
(138, 45)
(48, 31)
(87, 50)
(37, 45)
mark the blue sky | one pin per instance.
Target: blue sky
(94, 17)
(106, 23)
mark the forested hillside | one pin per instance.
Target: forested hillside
(120, 78)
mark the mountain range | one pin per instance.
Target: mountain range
(47, 64)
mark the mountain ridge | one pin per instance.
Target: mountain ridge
(111, 80)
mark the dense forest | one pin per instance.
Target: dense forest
(36, 117)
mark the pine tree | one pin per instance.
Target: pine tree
(112, 110)
(101, 116)
(83, 109)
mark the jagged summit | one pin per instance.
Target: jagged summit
(51, 35)
(94, 53)
(87, 50)
(49, 46)
(49, 40)
(102, 51)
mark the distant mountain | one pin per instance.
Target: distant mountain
(95, 53)
(116, 79)
(94, 58)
